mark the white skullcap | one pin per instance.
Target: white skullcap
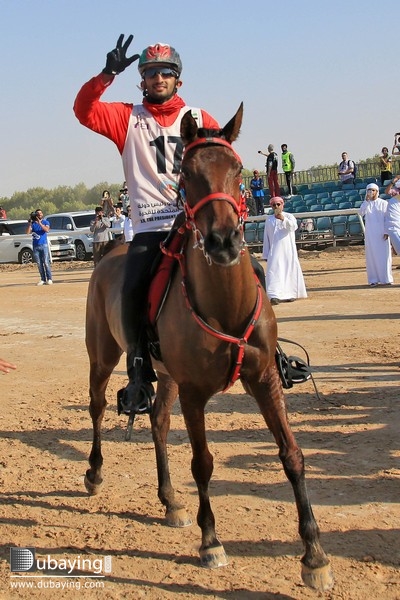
(373, 186)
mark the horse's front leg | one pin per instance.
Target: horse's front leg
(316, 571)
(97, 407)
(212, 553)
(167, 390)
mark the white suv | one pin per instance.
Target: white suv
(76, 224)
(16, 244)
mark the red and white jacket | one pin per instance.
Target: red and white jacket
(148, 139)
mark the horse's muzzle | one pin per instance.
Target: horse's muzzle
(224, 249)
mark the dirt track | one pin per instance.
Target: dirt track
(350, 439)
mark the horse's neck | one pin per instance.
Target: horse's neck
(227, 294)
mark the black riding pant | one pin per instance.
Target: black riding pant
(143, 250)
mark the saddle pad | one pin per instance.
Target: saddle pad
(160, 282)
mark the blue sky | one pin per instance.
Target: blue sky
(317, 75)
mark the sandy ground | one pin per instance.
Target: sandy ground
(350, 438)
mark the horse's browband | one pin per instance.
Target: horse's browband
(207, 141)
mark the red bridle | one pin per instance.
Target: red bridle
(241, 211)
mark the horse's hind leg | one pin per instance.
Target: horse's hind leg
(100, 372)
(212, 553)
(167, 390)
(316, 571)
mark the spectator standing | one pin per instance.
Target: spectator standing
(346, 169)
(250, 203)
(100, 228)
(142, 134)
(117, 223)
(288, 164)
(284, 277)
(378, 254)
(385, 164)
(128, 227)
(124, 198)
(257, 189)
(39, 227)
(107, 204)
(396, 145)
(3, 214)
(271, 168)
(393, 213)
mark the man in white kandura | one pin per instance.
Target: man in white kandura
(284, 278)
(378, 253)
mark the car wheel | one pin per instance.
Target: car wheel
(25, 256)
(80, 251)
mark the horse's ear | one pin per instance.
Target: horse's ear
(232, 129)
(188, 128)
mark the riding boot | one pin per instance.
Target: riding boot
(138, 395)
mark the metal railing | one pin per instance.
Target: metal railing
(315, 237)
(323, 174)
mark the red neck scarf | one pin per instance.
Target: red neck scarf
(166, 113)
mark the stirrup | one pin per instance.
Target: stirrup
(292, 369)
(134, 400)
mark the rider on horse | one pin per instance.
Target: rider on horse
(148, 138)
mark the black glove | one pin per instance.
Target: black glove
(117, 60)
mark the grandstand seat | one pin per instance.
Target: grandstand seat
(331, 206)
(357, 203)
(370, 180)
(386, 183)
(331, 185)
(310, 201)
(351, 194)
(347, 186)
(324, 224)
(309, 197)
(297, 200)
(354, 228)
(299, 208)
(344, 205)
(295, 197)
(303, 187)
(322, 196)
(316, 208)
(385, 196)
(339, 226)
(324, 201)
(250, 232)
(337, 194)
(362, 184)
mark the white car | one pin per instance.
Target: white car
(16, 244)
(75, 224)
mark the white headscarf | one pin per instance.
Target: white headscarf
(372, 186)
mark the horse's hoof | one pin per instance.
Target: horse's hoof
(178, 518)
(318, 579)
(92, 488)
(213, 558)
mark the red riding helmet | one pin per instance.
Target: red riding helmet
(160, 53)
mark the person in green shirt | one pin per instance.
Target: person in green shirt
(288, 164)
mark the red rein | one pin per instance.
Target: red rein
(241, 211)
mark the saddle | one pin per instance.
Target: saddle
(163, 270)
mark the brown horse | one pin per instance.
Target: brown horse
(220, 328)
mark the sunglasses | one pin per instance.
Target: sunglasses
(165, 72)
(275, 205)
